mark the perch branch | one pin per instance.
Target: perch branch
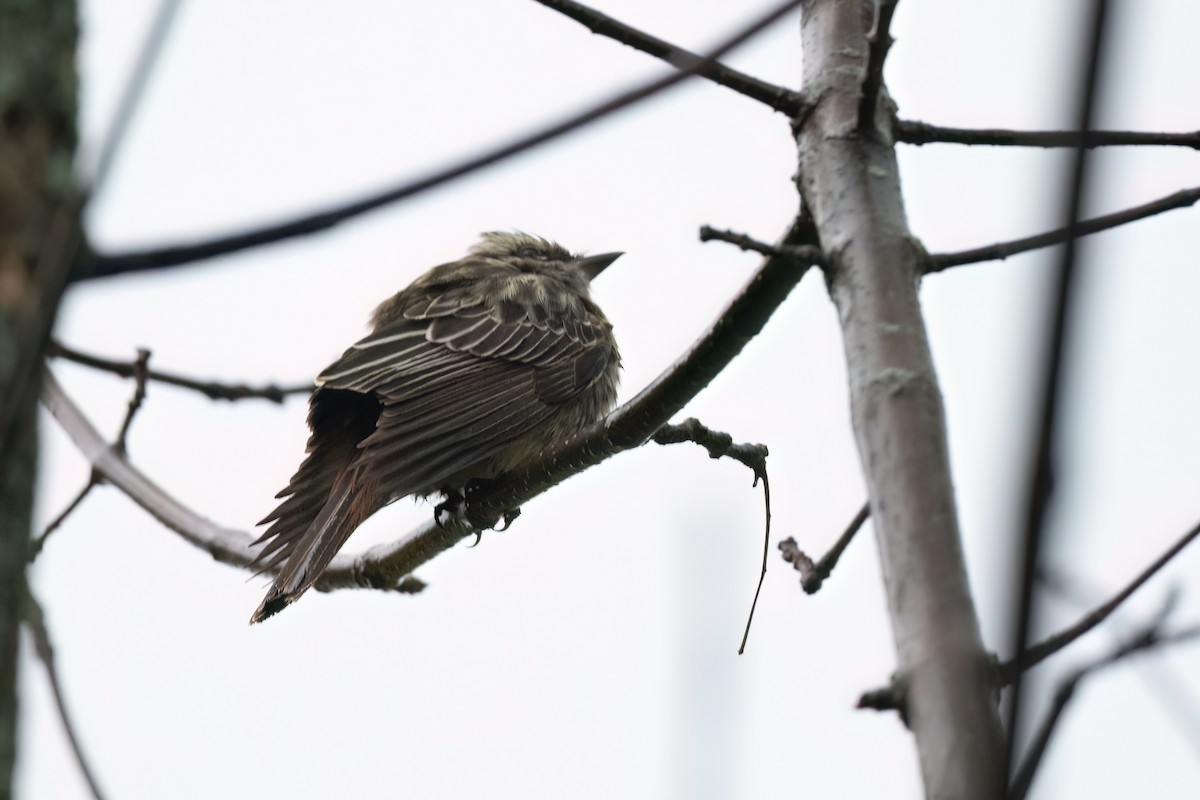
(388, 566)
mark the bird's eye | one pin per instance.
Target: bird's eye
(528, 252)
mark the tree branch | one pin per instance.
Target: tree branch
(754, 456)
(805, 254)
(1002, 250)
(388, 566)
(35, 622)
(1038, 653)
(851, 184)
(1041, 476)
(813, 575)
(918, 133)
(780, 98)
(881, 42)
(1152, 637)
(102, 265)
(210, 389)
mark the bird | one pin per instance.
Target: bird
(475, 368)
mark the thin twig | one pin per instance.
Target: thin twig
(1037, 498)
(1175, 697)
(1002, 250)
(323, 220)
(805, 254)
(210, 389)
(1149, 638)
(140, 373)
(813, 575)
(1039, 652)
(35, 622)
(911, 132)
(39, 543)
(782, 99)
(386, 566)
(754, 456)
(881, 41)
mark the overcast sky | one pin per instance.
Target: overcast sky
(591, 650)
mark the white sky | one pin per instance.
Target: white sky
(590, 652)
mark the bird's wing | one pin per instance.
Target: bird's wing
(459, 383)
(339, 421)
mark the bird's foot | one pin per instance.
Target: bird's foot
(453, 506)
(462, 506)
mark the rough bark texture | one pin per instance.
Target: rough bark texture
(850, 181)
(37, 140)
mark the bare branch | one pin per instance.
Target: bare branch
(210, 389)
(813, 575)
(780, 98)
(35, 622)
(918, 133)
(39, 543)
(804, 253)
(881, 42)
(754, 456)
(101, 265)
(1150, 638)
(388, 566)
(718, 444)
(1181, 199)
(1038, 653)
(1040, 486)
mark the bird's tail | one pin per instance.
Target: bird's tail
(349, 504)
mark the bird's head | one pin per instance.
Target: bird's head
(533, 254)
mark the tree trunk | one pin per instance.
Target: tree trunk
(37, 144)
(850, 180)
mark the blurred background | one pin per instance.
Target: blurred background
(591, 650)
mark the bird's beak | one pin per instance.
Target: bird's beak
(594, 265)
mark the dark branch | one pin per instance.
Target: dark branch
(881, 41)
(387, 566)
(102, 265)
(35, 622)
(1034, 655)
(1150, 638)
(813, 575)
(1041, 479)
(784, 100)
(210, 389)
(919, 133)
(1181, 199)
(754, 456)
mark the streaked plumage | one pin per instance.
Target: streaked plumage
(477, 366)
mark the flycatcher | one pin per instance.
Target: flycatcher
(478, 366)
